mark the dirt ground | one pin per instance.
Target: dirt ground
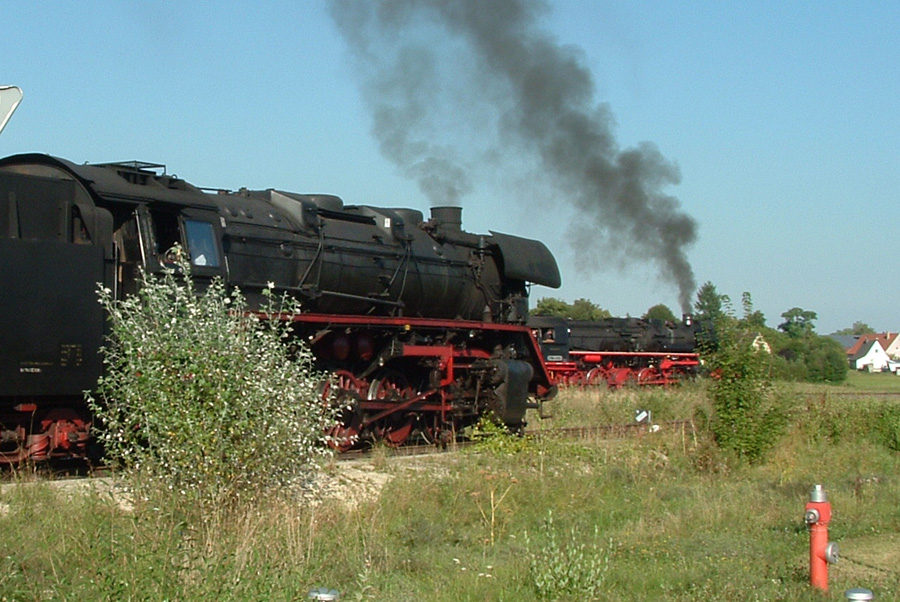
(346, 482)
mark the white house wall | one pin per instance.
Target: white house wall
(876, 358)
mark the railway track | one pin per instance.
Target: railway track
(852, 394)
(72, 469)
(606, 431)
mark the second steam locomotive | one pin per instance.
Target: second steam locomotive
(617, 352)
(421, 323)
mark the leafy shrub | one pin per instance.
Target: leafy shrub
(810, 358)
(748, 417)
(491, 436)
(201, 395)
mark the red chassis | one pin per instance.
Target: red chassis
(402, 377)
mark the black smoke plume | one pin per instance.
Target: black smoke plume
(460, 86)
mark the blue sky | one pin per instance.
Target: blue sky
(781, 117)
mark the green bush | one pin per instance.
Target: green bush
(748, 416)
(202, 396)
(809, 358)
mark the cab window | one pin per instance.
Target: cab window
(201, 243)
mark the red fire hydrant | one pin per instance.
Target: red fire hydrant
(821, 551)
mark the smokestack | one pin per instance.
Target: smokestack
(449, 218)
(458, 86)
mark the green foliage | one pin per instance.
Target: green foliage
(748, 418)
(753, 318)
(201, 396)
(660, 312)
(798, 353)
(808, 358)
(710, 303)
(708, 311)
(581, 309)
(491, 436)
(889, 426)
(798, 322)
(570, 566)
(857, 329)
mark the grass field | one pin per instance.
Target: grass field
(661, 516)
(879, 381)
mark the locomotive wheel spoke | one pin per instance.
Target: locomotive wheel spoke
(576, 380)
(647, 376)
(596, 378)
(342, 386)
(431, 431)
(397, 435)
(392, 386)
(345, 434)
(621, 377)
(343, 437)
(344, 389)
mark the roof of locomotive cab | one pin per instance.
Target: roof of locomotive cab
(105, 181)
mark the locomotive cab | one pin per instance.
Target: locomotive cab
(552, 333)
(55, 247)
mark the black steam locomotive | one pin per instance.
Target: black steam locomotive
(617, 351)
(421, 323)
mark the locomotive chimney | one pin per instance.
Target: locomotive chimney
(448, 217)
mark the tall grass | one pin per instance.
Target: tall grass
(662, 516)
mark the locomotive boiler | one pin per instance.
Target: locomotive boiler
(421, 324)
(616, 352)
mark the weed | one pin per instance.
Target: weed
(567, 565)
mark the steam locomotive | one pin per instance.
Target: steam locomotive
(616, 352)
(421, 324)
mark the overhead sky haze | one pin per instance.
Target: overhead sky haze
(769, 132)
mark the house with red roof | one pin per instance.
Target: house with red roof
(893, 347)
(889, 341)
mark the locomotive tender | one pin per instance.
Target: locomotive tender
(616, 352)
(421, 323)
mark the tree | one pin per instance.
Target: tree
(802, 355)
(753, 318)
(857, 329)
(551, 306)
(581, 309)
(708, 312)
(584, 309)
(798, 322)
(710, 303)
(660, 312)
